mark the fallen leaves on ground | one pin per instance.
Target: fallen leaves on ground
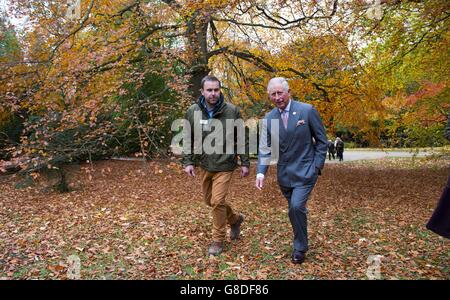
(134, 220)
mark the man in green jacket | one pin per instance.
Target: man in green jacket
(218, 154)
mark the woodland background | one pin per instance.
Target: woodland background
(109, 79)
(84, 85)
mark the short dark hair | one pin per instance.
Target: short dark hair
(209, 78)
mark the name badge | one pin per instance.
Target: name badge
(203, 122)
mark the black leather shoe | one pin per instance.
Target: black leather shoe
(298, 257)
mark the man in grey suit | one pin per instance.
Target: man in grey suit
(302, 145)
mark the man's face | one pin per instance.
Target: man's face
(211, 92)
(279, 96)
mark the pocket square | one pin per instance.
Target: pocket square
(300, 122)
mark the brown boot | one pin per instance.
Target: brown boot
(236, 228)
(215, 248)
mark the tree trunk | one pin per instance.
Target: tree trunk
(197, 32)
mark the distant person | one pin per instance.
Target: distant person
(440, 220)
(331, 150)
(339, 145)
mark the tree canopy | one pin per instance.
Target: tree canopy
(115, 71)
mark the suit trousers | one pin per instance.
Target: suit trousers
(215, 187)
(297, 197)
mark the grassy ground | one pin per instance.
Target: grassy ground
(130, 220)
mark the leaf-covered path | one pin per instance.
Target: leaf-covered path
(129, 220)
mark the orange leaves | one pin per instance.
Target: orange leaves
(128, 223)
(428, 89)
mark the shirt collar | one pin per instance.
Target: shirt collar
(206, 105)
(216, 106)
(287, 108)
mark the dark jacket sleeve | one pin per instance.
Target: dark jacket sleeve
(188, 157)
(319, 135)
(245, 161)
(447, 128)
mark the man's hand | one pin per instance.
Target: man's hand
(259, 183)
(190, 170)
(244, 171)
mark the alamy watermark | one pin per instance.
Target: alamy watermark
(73, 267)
(73, 9)
(375, 11)
(374, 269)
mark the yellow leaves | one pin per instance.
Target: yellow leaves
(4, 116)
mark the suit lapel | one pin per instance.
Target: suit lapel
(293, 117)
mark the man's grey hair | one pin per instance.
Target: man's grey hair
(278, 80)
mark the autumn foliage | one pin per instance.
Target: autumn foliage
(109, 78)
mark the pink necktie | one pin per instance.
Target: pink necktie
(284, 117)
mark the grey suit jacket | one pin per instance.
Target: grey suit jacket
(300, 158)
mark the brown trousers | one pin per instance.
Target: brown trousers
(215, 187)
